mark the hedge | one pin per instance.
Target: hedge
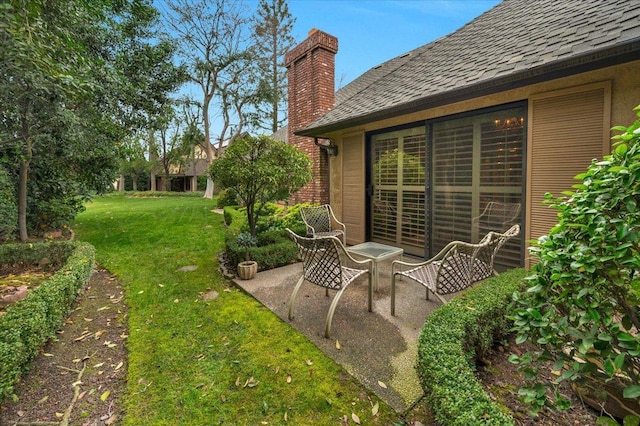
(274, 248)
(28, 324)
(452, 338)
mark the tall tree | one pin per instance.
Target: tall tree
(67, 97)
(213, 43)
(272, 28)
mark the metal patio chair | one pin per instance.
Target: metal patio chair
(457, 266)
(324, 261)
(497, 216)
(321, 222)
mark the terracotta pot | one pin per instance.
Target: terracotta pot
(247, 269)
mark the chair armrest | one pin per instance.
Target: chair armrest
(442, 253)
(348, 256)
(335, 220)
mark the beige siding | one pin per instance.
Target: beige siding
(567, 129)
(353, 187)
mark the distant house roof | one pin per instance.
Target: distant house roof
(516, 43)
(282, 134)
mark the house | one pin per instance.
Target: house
(512, 105)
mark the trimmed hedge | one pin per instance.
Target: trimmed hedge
(28, 324)
(274, 248)
(452, 338)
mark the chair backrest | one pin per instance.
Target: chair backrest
(317, 217)
(495, 241)
(320, 260)
(454, 269)
(498, 216)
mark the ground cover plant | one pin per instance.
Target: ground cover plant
(200, 351)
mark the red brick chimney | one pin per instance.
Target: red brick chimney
(311, 74)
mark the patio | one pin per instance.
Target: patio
(377, 349)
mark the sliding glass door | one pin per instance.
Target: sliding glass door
(397, 202)
(478, 179)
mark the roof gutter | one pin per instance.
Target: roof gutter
(595, 59)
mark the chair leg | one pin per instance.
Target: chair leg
(332, 308)
(370, 295)
(393, 293)
(293, 296)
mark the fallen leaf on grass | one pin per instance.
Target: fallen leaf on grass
(48, 354)
(105, 395)
(251, 382)
(289, 379)
(355, 418)
(375, 409)
(43, 400)
(87, 319)
(309, 362)
(104, 308)
(277, 370)
(383, 385)
(20, 413)
(82, 394)
(59, 415)
(237, 381)
(119, 365)
(111, 420)
(98, 365)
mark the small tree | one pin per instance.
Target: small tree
(582, 307)
(261, 169)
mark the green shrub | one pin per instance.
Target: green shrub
(452, 338)
(29, 323)
(582, 303)
(227, 197)
(274, 248)
(8, 208)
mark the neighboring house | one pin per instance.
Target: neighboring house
(183, 175)
(508, 107)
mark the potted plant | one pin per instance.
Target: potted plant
(248, 268)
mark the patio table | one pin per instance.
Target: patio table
(377, 252)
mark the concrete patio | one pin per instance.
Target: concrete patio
(377, 349)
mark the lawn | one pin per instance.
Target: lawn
(225, 360)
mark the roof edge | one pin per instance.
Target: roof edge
(595, 59)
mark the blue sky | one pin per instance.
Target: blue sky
(370, 32)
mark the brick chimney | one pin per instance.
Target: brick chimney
(311, 86)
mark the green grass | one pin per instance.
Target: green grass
(226, 360)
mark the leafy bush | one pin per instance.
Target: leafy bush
(260, 170)
(227, 197)
(274, 248)
(452, 338)
(29, 323)
(8, 207)
(582, 303)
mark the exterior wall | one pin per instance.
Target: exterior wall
(311, 87)
(624, 96)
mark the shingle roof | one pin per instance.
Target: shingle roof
(518, 42)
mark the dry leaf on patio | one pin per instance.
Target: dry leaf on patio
(355, 418)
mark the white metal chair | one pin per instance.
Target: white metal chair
(321, 222)
(323, 261)
(457, 266)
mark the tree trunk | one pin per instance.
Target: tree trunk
(208, 193)
(22, 197)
